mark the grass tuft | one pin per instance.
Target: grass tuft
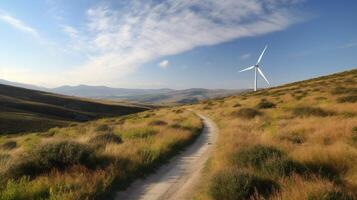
(231, 185)
(106, 138)
(307, 111)
(49, 156)
(9, 145)
(265, 104)
(158, 123)
(347, 99)
(247, 113)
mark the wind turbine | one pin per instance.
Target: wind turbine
(256, 68)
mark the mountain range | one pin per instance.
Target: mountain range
(150, 96)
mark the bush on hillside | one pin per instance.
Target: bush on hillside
(347, 99)
(54, 155)
(247, 113)
(9, 145)
(256, 156)
(268, 160)
(265, 104)
(307, 111)
(158, 123)
(231, 185)
(340, 90)
(106, 138)
(323, 170)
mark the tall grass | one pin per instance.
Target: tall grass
(89, 160)
(306, 146)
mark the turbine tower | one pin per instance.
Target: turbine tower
(256, 68)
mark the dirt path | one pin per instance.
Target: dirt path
(175, 180)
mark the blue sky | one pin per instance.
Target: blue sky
(174, 43)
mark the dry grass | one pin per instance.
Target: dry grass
(89, 160)
(314, 125)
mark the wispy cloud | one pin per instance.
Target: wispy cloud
(245, 56)
(70, 31)
(164, 64)
(118, 42)
(348, 45)
(18, 24)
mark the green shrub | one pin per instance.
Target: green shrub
(267, 160)
(331, 195)
(306, 111)
(9, 145)
(265, 104)
(347, 99)
(62, 154)
(343, 90)
(158, 123)
(54, 155)
(230, 185)
(340, 90)
(106, 138)
(256, 156)
(247, 113)
(322, 170)
(24, 189)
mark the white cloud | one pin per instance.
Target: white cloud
(245, 56)
(70, 31)
(18, 24)
(164, 64)
(118, 42)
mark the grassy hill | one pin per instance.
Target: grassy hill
(296, 141)
(23, 110)
(89, 160)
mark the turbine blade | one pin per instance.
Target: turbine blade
(261, 55)
(261, 73)
(249, 68)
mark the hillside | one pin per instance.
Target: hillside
(92, 159)
(296, 141)
(30, 110)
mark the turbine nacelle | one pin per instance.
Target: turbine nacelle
(256, 68)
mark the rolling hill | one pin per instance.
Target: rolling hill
(30, 110)
(295, 141)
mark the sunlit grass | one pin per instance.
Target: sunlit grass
(312, 123)
(85, 160)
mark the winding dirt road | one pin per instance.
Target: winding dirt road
(176, 180)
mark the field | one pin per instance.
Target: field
(90, 160)
(297, 141)
(24, 110)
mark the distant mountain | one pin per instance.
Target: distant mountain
(104, 92)
(151, 96)
(23, 85)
